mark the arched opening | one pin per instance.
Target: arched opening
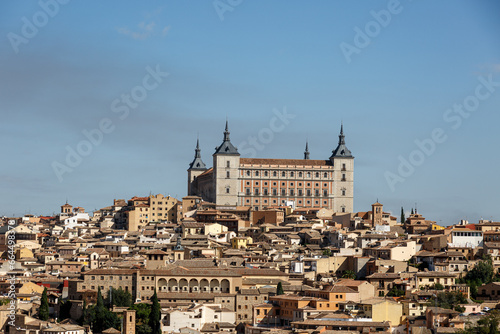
(172, 285)
(162, 285)
(204, 285)
(193, 285)
(214, 285)
(183, 285)
(225, 286)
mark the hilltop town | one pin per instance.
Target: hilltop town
(258, 246)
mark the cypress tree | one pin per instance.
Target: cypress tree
(154, 316)
(403, 219)
(279, 289)
(43, 312)
(99, 313)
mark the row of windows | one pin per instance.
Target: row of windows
(291, 192)
(283, 184)
(283, 174)
(110, 277)
(467, 234)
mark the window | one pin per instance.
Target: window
(317, 174)
(283, 174)
(275, 192)
(227, 190)
(266, 173)
(292, 174)
(227, 175)
(308, 174)
(248, 191)
(274, 173)
(300, 192)
(265, 192)
(325, 175)
(283, 192)
(228, 164)
(248, 173)
(308, 192)
(256, 173)
(343, 192)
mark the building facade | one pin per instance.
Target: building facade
(259, 183)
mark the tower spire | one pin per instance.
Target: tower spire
(226, 147)
(341, 150)
(197, 163)
(306, 152)
(226, 132)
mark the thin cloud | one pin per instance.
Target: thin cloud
(144, 31)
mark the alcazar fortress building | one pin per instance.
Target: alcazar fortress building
(259, 183)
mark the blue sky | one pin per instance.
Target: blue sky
(248, 60)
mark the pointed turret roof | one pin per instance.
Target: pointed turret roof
(226, 147)
(306, 152)
(341, 151)
(197, 162)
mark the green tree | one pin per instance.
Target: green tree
(438, 286)
(154, 316)
(403, 219)
(349, 274)
(482, 273)
(43, 312)
(411, 210)
(395, 292)
(279, 289)
(100, 310)
(142, 312)
(120, 298)
(327, 252)
(449, 300)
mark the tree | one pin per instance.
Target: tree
(482, 273)
(395, 292)
(411, 210)
(120, 298)
(99, 309)
(438, 286)
(349, 274)
(327, 252)
(142, 312)
(403, 219)
(154, 316)
(279, 289)
(43, 312)
(449, 300)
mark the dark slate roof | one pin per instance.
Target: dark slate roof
(226, 147)
(197, 163)
(341, 151)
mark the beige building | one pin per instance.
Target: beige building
(259, 183)
(163, 208)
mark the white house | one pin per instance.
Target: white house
(464, 237)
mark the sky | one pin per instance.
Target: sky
(103, 100)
